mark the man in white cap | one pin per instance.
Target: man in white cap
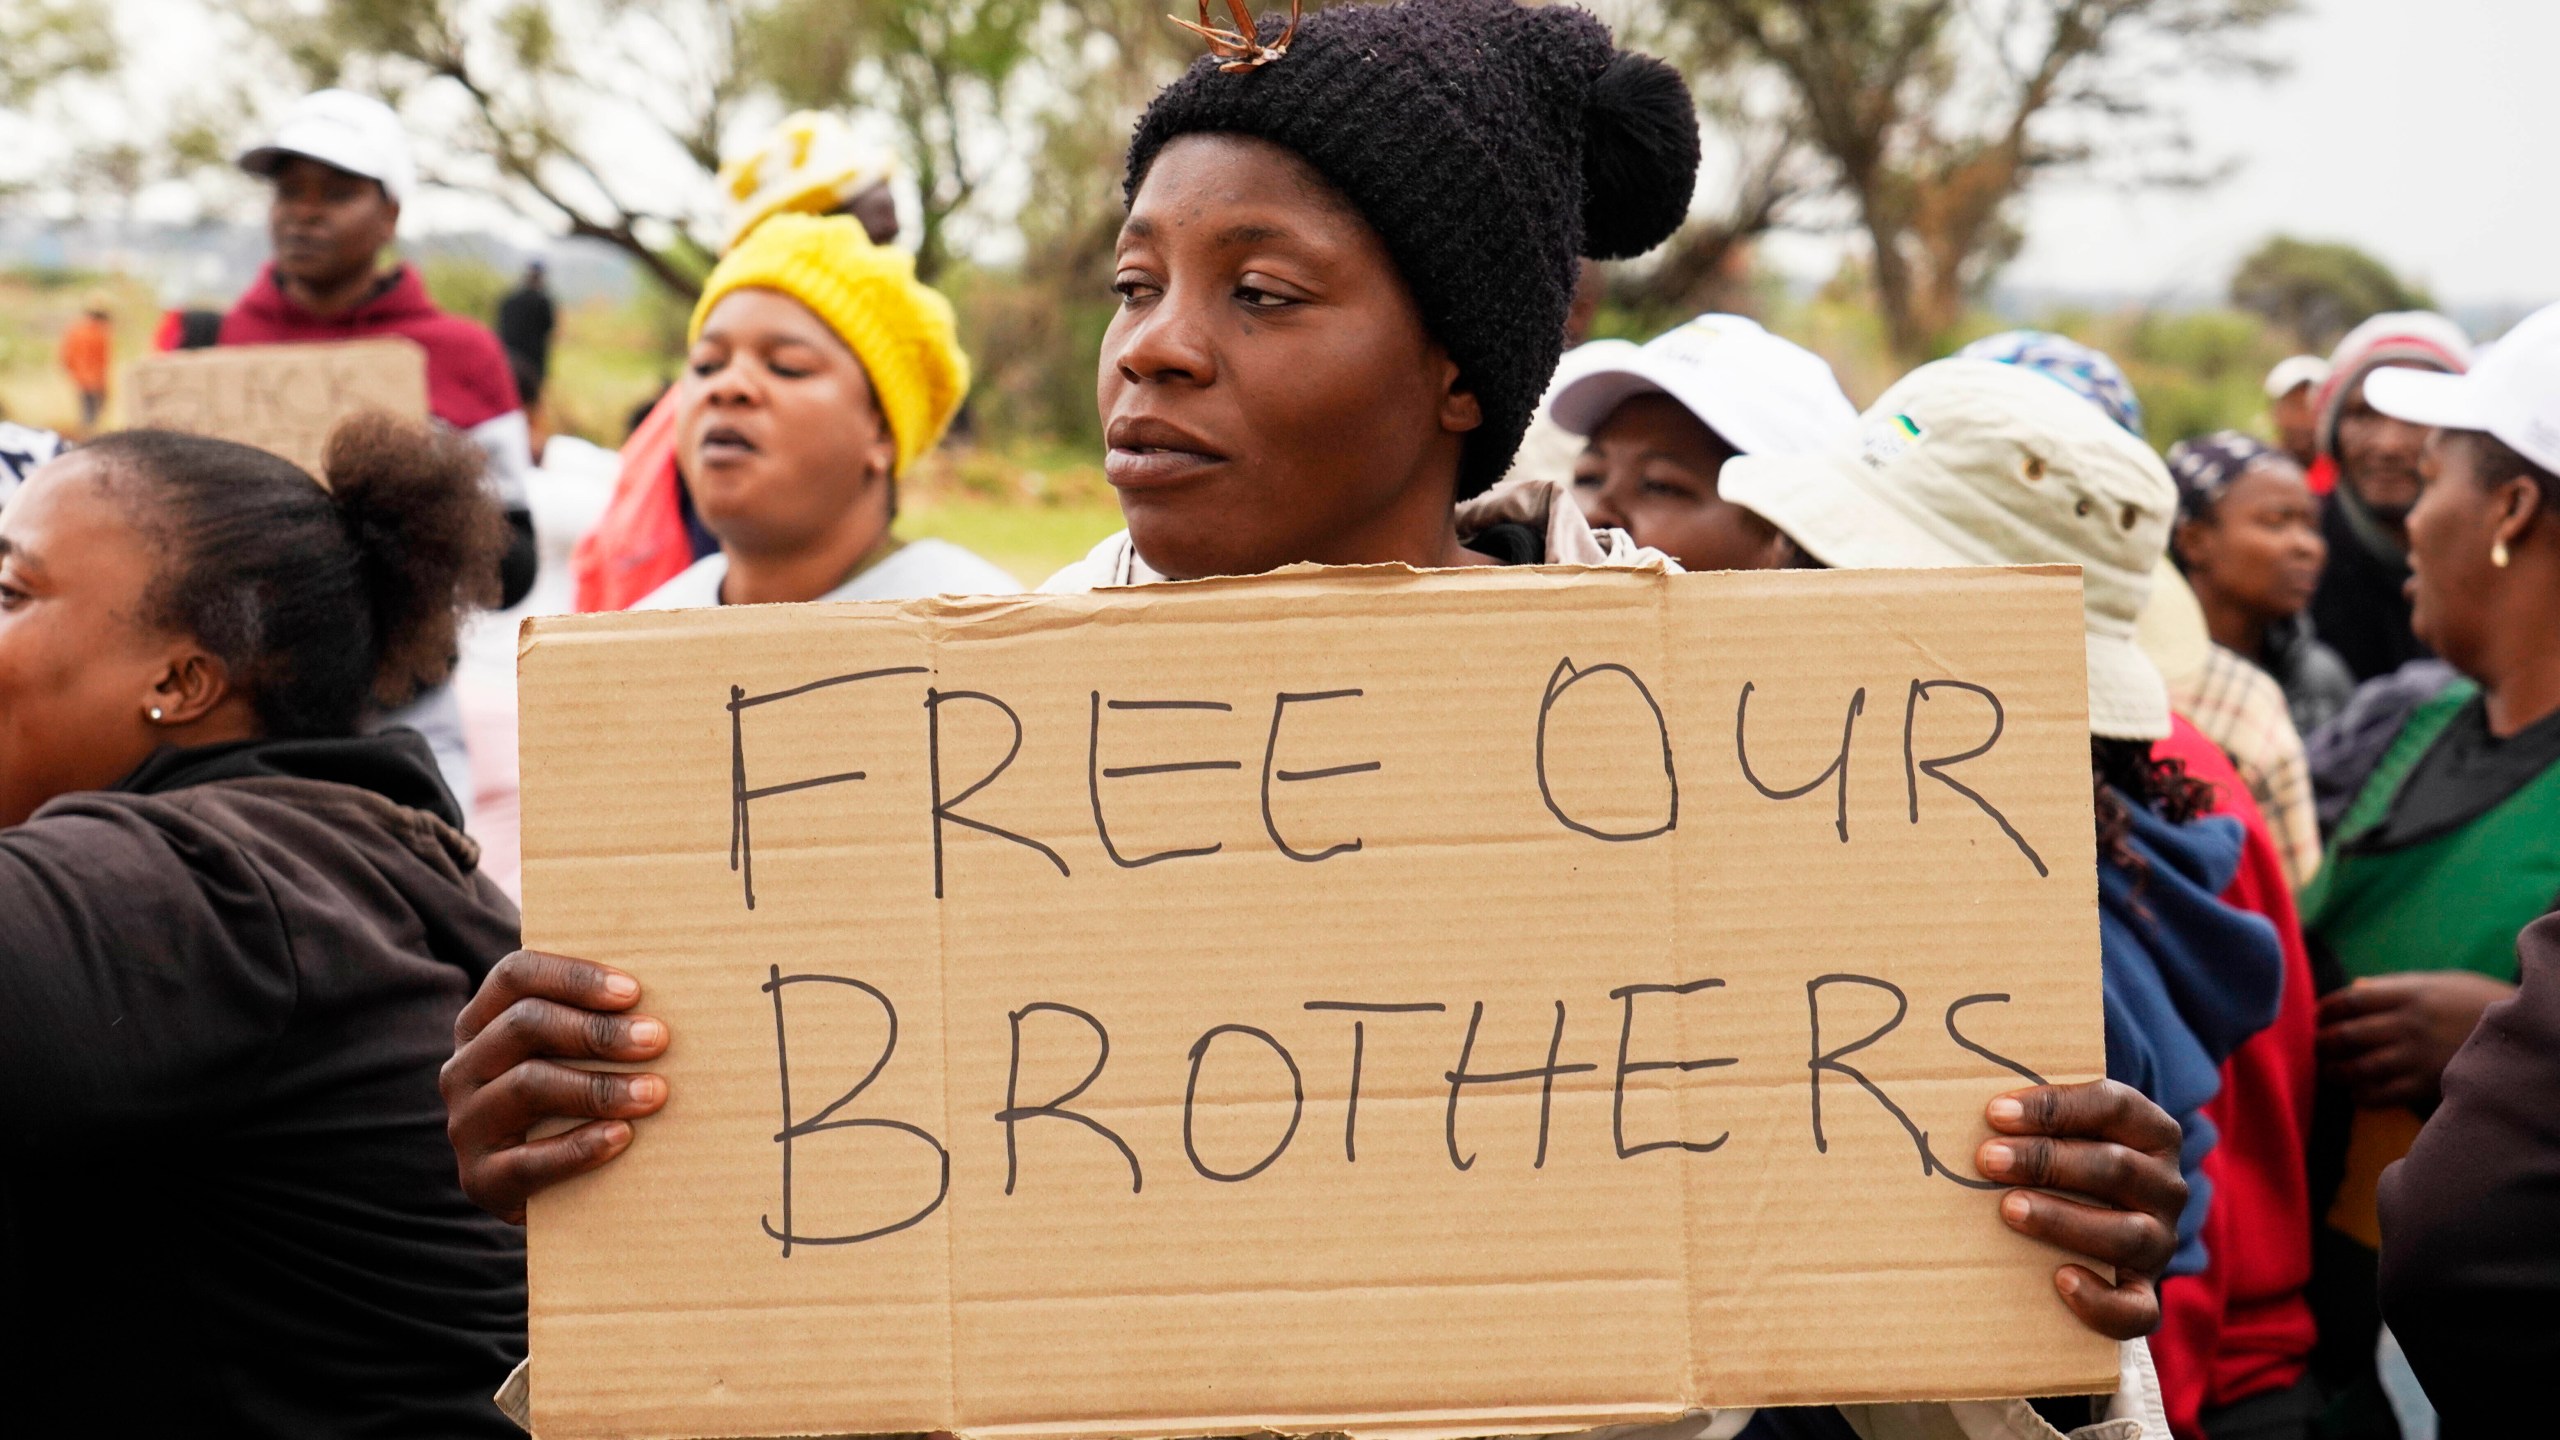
(340, 166)
(1661, 420)
(2293, 387)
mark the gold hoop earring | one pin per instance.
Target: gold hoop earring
(2498, 555)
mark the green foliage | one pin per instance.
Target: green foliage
(2320, 290)
(465, 284)
(2196, 371)
(1930, 117)
(45, 41)
(941, 68)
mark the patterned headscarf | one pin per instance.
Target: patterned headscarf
(2205, 468)
(2085, 371)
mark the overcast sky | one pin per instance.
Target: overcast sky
(2422, 130)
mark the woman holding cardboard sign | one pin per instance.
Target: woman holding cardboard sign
(1344, 278)
(237, 929)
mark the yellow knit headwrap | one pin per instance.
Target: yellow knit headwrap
(897, 326)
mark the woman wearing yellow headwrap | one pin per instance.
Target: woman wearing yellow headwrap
(820, 370)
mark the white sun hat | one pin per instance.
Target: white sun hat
(1764, 395)
(1970, 462)
(2513, 392)
(343, 130)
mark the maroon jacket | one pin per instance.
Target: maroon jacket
(468, 382)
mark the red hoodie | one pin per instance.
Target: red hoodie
(468, 382)
(2242, 1328)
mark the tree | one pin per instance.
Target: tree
(535, 113)
(608, 118)
(1931, 117)
(2319, 291)
(45, 41)
(946, 68)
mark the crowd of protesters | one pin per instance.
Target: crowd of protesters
(267, 1024)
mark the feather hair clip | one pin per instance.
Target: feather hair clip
(1240, 48)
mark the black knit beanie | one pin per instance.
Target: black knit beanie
(1490, 143)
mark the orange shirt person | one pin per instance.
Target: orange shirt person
(86, 349)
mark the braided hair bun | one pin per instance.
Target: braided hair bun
(426, 535)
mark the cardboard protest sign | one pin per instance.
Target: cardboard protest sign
(1416, 1005)
(284, 398)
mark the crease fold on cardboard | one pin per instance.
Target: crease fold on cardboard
(1400, 1004)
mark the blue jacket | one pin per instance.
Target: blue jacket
(2188, 978)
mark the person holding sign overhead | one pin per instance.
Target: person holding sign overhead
(1343, 283)
(238, 931)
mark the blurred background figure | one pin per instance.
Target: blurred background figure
(2084, 370)
(821, 371)
(88, 350)
(812, 164)
(2293, 388)
(2368, 466)
(2248, 540)
(526, 320)
(2452, 844)
(340, 168)
(1662, 419)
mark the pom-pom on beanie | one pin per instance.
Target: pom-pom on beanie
(899, 327)
(1490, 144)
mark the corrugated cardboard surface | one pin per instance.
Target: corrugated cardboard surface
(1361, 1279)
(283, 398)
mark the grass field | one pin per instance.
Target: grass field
(1030, 541)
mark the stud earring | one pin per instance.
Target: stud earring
(2498, 555)
(156, 715)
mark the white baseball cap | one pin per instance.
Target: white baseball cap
(343, 130)
(1764, 395)
(2513, 392)
(2293, 372)
(1971, 462)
